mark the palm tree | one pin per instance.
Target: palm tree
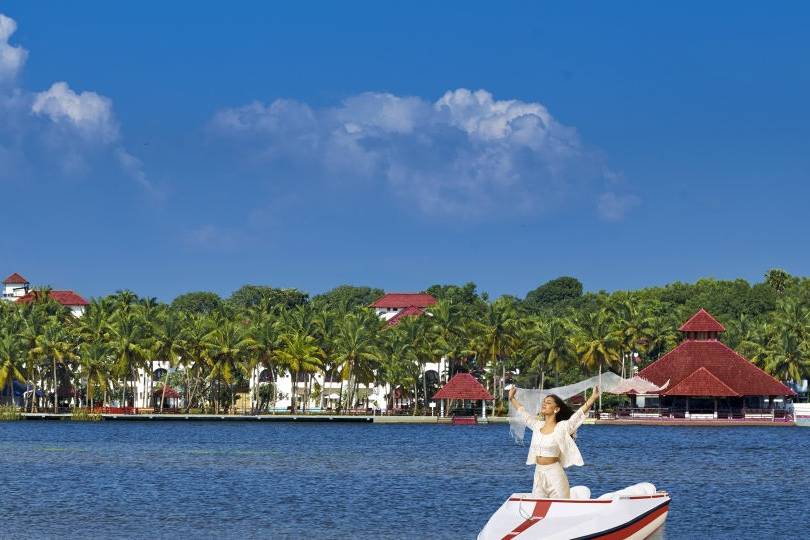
(12, 358)
(224, 349)
(264, 338)
(299, 352)
(356, 348)
(597, 342)
(54, 343)
(787, 357)
(129, 347)
(95, 360)
(549, 345)
(497, 334)
(169, 343)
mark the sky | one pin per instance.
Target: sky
(151, 147)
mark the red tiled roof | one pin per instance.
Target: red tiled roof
(66, 298)
(702, 322)
(734, 371)
(14, 279)
(410, 311)
(402, 300)
(170, 392)
(701, 383)
(462, 386)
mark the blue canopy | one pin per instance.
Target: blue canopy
(19, 389)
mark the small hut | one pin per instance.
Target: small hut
(464, 387)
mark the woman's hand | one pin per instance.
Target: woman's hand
(512, 392)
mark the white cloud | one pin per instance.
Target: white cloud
(613, 207)
(90, 114)
(74, 130)
(466, 154)
(11, 58)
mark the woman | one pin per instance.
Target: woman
(553, 446)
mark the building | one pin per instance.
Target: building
(75, 303)
(18, 289)
(393, 307)
(15, 286)
(707, 379)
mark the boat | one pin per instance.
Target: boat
(635, 513)
(801, 414)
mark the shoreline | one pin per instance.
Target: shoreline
(374, 419)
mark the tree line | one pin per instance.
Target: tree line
(556, 334)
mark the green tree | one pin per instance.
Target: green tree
(553, 293)
(200, 302)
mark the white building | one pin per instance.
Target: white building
(18, 289)
(392, 307)
(15, 286)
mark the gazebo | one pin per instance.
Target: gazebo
(464, 387)
(708, 379)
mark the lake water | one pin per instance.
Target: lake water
(288, 480)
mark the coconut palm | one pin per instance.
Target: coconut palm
(497, 334)
(299, 353)
(55, 343)
(168, 343)
(597, 342)
(12, 359)
(95, 361)
(129, 347)
(224, 349)
(549, 345)
(357, 348)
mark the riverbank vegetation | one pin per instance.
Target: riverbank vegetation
(555, 334)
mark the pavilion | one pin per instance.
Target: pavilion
(464, 387)
(707, 379)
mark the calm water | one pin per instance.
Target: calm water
(281, 480)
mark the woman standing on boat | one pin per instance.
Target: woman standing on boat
(553, 447)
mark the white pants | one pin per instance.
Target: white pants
(550, 482)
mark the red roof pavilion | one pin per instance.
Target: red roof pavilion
(703, 366)
(15, 279)
(463, 386)
(702, 322)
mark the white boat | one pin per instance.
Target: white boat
(614, 516)
(801, 414)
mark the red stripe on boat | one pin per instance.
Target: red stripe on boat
(539, 512)
(626, 532)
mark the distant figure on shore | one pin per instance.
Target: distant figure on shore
(553, 447)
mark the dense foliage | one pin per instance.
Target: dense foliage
(556, 334)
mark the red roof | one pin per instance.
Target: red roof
(66, 298)
(463, 386)
(702, 322)
(701, 383)
(403, 300)
(731, 369)
(15, 279)
(410, 311)
(170, 392)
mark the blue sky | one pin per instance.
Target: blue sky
(152, 147)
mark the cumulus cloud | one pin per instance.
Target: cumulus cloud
(90, 114)
(11, 58)
(74, 130)
(614, 207)
(466, 154)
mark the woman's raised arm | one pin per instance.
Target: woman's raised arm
(578, 417)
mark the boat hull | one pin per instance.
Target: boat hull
(524, 517)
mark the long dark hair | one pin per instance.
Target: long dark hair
(565, 411)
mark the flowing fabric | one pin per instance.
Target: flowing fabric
(609, 382)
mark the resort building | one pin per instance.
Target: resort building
(18, 289)
(310, 391)
(393, 307)
(14, 287)
(707, 379)
(75, 303)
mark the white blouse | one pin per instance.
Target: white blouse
(561, 439)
